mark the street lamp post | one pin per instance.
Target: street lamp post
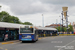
(0, 7)
(67, 22)
(42, 20)
(60, 23)
(56, 21)
(57, 24)
(62, 20)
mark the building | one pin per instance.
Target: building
(11, 29)
(54, 25)
(74, 26)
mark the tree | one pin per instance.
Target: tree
(60, 29)
(64, 29)
(11, 19)
(2, 15)
(27, 23)
(5, 17)
(70, 28)
(0, 6)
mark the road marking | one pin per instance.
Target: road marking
(52, 37)
(16, 42)
(66, 44)
(1, 48)
(13, 43)
(39, 38)
(44, 38)
(6, 49)
(7, 42)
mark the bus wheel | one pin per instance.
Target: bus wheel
(22, 41)
(34, 41)
(37, 40)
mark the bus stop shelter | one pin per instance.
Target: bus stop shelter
(11, 29)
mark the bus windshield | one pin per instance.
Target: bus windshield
(26, 30)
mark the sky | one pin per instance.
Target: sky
(32, 10)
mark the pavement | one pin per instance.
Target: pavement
(14, 41)
(9, 42)
(45, 43)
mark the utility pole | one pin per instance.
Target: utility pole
(57, 23)
(67, 22)
(62, 20)
(60, 23)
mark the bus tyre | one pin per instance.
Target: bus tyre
(34, 41)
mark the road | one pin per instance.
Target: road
(46, 43)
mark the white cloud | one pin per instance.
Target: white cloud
(31, 10)
(59, 2)
(5, 8)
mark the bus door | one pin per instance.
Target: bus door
(36, 34)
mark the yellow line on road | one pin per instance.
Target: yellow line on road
(7, 42)
(65, 34)
(39, 38)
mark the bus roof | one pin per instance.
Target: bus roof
(9, 25)
(40, 28)
(44, 28)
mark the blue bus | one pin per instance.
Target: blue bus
(28, 33)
